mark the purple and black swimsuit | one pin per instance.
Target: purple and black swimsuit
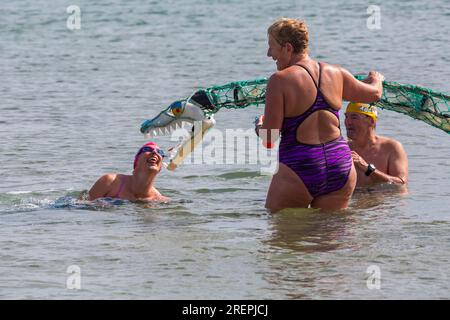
(324, 167)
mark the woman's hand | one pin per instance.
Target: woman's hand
(259, 121)
(373, 76)
(258, 124)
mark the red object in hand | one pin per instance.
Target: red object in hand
(268, 145)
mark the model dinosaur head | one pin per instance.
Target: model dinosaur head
(172, 118)
(196, 112)
(197, 108)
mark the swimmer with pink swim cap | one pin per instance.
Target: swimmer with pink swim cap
(148, 162)
(148, 147)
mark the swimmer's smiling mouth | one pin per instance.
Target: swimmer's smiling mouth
(153, 160)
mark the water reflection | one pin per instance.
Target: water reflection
(307, 249)
(309, 230)
(378, 196)
(298, 250)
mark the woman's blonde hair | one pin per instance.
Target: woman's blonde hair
(293, 31)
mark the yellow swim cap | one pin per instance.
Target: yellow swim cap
(363, 108)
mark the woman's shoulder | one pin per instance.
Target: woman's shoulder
(331, 68)
(103, 186)
(278, 75)
(111, 178)
(283, 77)
(277, 81)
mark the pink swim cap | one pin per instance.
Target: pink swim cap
(148, 144)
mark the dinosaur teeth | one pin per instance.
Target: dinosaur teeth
(161, 131)
(187, 125)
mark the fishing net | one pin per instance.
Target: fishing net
(417, 102)
(234, 95)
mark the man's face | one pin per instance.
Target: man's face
(357, 124)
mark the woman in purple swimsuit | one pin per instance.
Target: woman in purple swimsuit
(139, 185)
(303, 100)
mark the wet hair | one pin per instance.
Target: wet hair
(291, 31)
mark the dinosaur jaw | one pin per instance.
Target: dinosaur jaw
(179, 115)
(151, 130)
(189, 115)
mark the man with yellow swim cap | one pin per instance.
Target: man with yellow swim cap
(377, 159)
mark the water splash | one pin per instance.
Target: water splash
(26, 201)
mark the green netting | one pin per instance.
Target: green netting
(235, 95)
(417, 102)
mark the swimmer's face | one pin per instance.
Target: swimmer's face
(357, 124)
(278, 52)
(151, 160)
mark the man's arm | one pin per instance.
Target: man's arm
(379, 177)
(397, 167)
(398, 163)
(101, 188)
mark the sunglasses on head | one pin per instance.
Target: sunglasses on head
(152, 150)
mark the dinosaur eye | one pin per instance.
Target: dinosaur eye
(176, 111)
(177, 108)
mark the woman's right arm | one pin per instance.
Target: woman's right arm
(101, 188)
(273, 111)
(367, 91)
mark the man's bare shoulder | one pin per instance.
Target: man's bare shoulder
(390, 144)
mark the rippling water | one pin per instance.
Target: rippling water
(71, 106)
